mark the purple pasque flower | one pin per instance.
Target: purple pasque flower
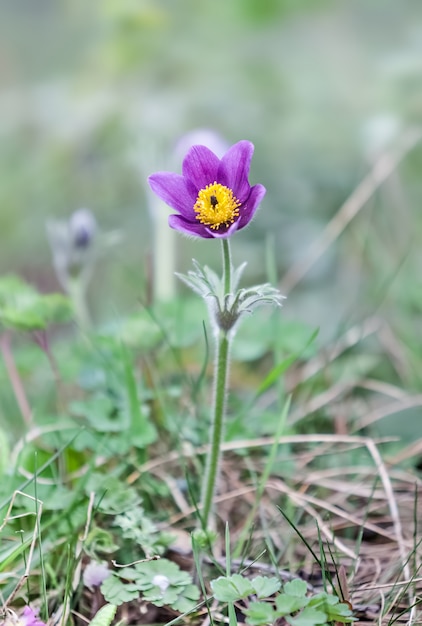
(212, 197)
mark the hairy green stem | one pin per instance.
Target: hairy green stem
(76, 291)
(227, 266)
(220, 389)
(217, 428)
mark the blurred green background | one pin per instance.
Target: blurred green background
(95, 95)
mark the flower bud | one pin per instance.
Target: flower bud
(82, 227)
(72, 244)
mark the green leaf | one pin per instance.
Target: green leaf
(264, 586)
(101, 413)
(117, 592)
(138, 331)
(142, 430)
(231, 588)
(160, 582)
(55, 308)
(4, 452)
(340, 613)
(308, 617)
(188, 600)
(260, 614)
(104, 616)
(286, 604)
(323, 599)
(295, 587)
(115, 496)
(22, 308)
(99, 540)
(334, 609)
(136, 526)
(12, 287)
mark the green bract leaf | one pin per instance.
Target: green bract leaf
(265, 587)
(231, 588)
(226, 309)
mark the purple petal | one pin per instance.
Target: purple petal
(248, 209)
(224, 234)
(175, 191)
(234, 169)
(188, 227)
(200, 166)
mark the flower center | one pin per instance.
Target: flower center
(216, 206)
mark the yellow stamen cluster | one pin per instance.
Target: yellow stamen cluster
(216, 206)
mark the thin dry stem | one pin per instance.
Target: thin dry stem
(394, 512)
(383, 168)
(35, 534)
(15, 379)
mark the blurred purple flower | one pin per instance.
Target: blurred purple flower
(28, 617)
(95, 574)
(201, 136)
(212, 197)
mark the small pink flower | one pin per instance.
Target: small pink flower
(28, 617)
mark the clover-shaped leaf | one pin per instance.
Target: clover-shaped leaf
(231, 588)
(117, 592)
(334, 609)
(287, 604)
(188, 600)
(160, 582)
(308, 617)
(135, 525)
(146, 571)
(259, 613)
(101, 412)
(264, 587)
(295, 587)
